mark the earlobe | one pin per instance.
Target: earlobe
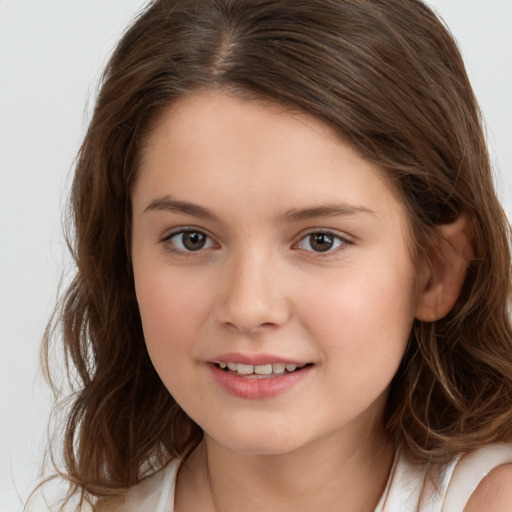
(442, 279)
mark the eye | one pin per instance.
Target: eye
(189, 240)
(321, 241)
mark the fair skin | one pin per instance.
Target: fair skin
(494, 493)
(260, 239)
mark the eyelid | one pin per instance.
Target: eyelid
(169, 233)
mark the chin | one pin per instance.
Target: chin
(258, 439)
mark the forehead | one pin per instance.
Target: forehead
(211, 114)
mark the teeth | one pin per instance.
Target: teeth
(262, 369)
(245, 369)
(278, 368)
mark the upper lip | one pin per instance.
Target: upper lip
(255, 359)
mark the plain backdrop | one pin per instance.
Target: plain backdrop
(51, 56)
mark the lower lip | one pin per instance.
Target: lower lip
(257, 388)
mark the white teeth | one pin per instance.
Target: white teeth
(278, 368)
(245, 369)
(263, 369)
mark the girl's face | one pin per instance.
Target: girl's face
(272, 271)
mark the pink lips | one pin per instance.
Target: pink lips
(256, 388)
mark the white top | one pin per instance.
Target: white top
(454, 487)
(403, 490)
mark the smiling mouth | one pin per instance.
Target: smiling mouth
(263, 371)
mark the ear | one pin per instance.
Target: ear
(441, 278)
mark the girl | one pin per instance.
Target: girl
(293, 274)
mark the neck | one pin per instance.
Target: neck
(320, 476)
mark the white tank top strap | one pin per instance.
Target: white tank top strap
(447, 490)
(166, 502)
(410, 489)
(155, 493)
(471, 470)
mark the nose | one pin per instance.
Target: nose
(253, 296)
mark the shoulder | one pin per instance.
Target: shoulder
(494, 493)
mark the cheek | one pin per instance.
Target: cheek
(171, 310)
(364, 315)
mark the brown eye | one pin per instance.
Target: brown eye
(193, 241)
(190, 241)
(321, 242)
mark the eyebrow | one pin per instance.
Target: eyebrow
(184, 207)
(329, 210)
(294, 215)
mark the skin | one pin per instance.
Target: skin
(494, 493)
(238, 172)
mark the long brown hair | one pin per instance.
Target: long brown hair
(388, 76)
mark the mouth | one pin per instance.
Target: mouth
(258, 376)
(261, 371)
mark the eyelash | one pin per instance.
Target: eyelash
(338, 242)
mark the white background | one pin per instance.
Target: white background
(51, 56)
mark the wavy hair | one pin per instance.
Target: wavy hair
(388, 76)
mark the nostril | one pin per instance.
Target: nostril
(249, 327)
